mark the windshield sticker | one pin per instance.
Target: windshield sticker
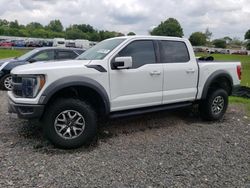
(103, 51)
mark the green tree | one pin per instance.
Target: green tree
(14, 25)
(41, 33)
(131, 34)
(248, 46)
(74, 33)
(1, 31)
(219, 43)
(34, 25)
(55, 25)
(107, 34)
(94, 36)
(24, 33)
(4, 22)
(170, 27)
(247, 35)
(198, 39)
(85, 28)
(54, 29)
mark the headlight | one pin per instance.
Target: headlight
(27, 86)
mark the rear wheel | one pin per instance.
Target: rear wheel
(215, 105)
(70, 123)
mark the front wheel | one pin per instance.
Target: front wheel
(70, 123)
(215, 105)
(6, 83)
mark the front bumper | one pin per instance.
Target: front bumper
(26, 111)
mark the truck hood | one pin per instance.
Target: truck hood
(43, 67)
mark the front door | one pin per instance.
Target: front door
(140, 85)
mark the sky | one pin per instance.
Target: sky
(222, 17)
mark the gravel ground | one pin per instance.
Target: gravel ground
(167, 149)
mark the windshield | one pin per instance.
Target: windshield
(100, 50)
(27, 55)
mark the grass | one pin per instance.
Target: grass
(7, 53)
(240, 100)
(245, 63)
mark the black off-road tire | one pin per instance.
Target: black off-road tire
(62, 105)
(206, 106)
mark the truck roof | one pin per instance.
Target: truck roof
(153, 37)
(58, 48)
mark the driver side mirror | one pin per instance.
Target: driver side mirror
(32, 60)
(122, 62)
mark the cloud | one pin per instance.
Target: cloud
(224, 17)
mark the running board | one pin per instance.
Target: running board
(145, 110)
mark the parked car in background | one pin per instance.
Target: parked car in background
(70, 44)
(224, 51)
(19, 43)
(39, 54)
(6, 43)
(59, 42)
(47, 43)
(84, 44)
(34, 43)
(240, 52)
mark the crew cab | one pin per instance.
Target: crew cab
(119, 77)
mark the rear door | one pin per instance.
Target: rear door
(180, 72)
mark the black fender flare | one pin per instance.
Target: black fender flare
(75, 81)
(213, 77)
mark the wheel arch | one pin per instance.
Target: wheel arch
(220, 79)
(76, 84)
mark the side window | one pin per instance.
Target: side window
(174, 52)
(142, 52)
(66, 55)
(45, 55)
(79, 51)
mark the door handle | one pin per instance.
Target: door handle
(190, 71)
(155, 73)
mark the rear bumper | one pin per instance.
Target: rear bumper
(26, 111)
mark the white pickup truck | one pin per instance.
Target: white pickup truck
(119, 77)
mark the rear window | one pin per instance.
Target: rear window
(61, 42)
(174, 52)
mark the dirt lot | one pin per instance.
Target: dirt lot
(164, 149)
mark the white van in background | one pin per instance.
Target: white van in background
(84, 44)
(70, 43)
(59, 42)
